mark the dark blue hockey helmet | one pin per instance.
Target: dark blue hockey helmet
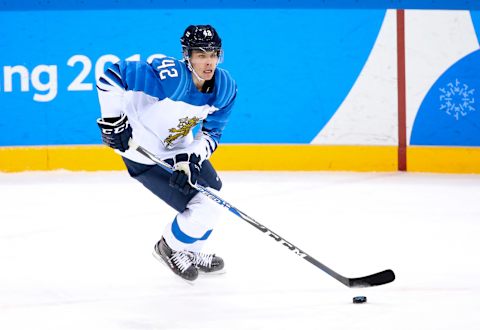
(200, 37)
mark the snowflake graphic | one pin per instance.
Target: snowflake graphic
(457, 99)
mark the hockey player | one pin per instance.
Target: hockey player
(157, 105)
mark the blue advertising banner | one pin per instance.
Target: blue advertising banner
(293, 67)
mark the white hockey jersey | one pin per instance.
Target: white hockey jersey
(163, 106)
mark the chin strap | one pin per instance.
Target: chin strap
(207, 85)
(190, 67)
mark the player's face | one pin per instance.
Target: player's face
(204, 63)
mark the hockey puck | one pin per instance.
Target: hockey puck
(359, 300)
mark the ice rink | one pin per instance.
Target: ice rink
(75, 253)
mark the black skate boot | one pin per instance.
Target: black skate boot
(208, 263)
(180, 262)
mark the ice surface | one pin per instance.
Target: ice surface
(75, 253)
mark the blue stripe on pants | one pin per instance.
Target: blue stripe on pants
(184, 238)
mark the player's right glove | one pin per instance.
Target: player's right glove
(115, 132)
(186, 170)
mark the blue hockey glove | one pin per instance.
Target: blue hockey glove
(115, 132)
(186, 170)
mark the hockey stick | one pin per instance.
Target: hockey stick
(380, 278)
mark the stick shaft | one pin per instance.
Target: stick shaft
(371, 280)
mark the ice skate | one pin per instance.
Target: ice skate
(208, 263)
(180, 262)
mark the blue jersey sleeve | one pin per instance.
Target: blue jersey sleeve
(149, 78)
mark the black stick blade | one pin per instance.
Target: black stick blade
(381, 278)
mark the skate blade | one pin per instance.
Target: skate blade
(177, 278)
(208, 274)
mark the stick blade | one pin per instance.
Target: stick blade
(380, 278)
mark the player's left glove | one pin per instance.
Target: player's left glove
(186, 170)
(115, 132)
